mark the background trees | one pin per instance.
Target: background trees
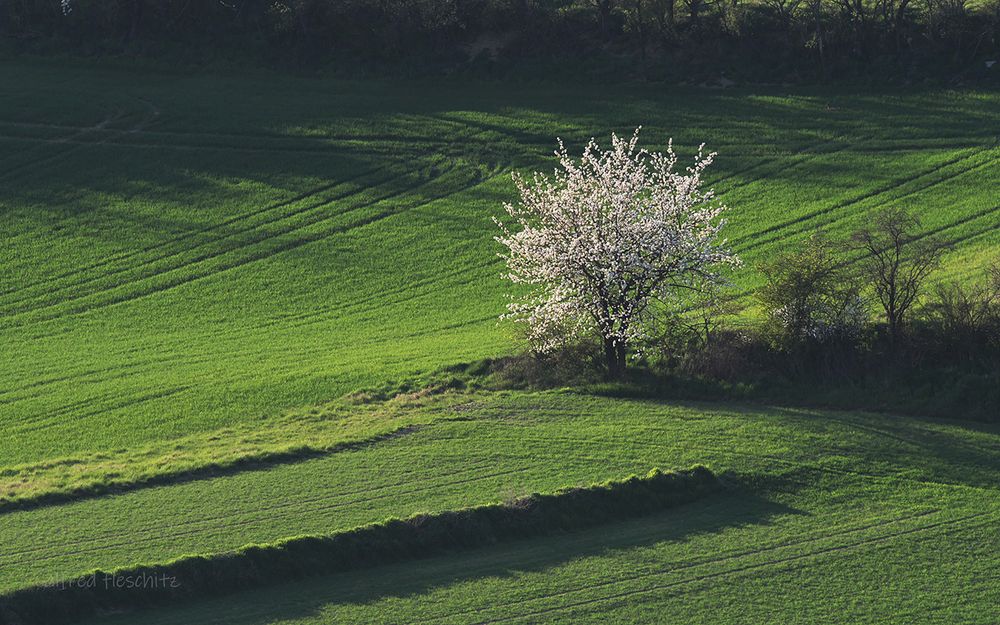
(809, 295)
(765, 40)
(896, 262)
(969, 312)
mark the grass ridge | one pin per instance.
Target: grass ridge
(252, 462)
(392, 540)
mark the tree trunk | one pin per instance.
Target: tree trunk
(893, 320)
(818, 17)
(604, 14)
(614, 355)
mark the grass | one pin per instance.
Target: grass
(390, 541)
(188, 260)
(830, 476)
(322, 430)
(187, 253)
(895, 571)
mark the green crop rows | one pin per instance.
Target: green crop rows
(195, 268)
(812, 494)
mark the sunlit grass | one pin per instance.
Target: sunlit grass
(829, 495)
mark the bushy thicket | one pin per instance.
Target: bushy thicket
(856, 322)
(390, 541)
(859, 323)
(766, 40)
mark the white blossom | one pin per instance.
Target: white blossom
(604, 238)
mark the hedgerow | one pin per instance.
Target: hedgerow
(392, 540)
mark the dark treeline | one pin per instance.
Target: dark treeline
(762, 40)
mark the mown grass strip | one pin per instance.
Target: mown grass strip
(237, 464)
(393, 540)
(336, 427)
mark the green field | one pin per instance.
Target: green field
(195, 268)
(893, 519)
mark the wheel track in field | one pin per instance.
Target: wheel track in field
(101, 375)
(769, 236)
(302, 320)
(806, 538)
(911, 441)
(807, 417)
(49, 418)
(46, 382)
(120, 370)
(373, 143)
(844, 145)
(994, 449)
(69, 409)
(57, 413)
(981, 234)
(580, 443)
(214, 227)
(44, 422)
(67, 139)
(115, 371)
(777, 232)
(778, 238)
(389, 143)
(380, 144)
(322, 143)
(537, 141)
(840, 418)
(226, 522)
(961, 221)
(377, 151)
(334, 146)
(100, 127)
(131, 253)
(135, 130)
(968, 219)
(243, 231)
(215, 248)
(805, 156)
(295, 243)
(775, 562)
(321, 217)
(318, 315)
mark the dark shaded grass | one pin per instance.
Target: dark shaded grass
(393, 540)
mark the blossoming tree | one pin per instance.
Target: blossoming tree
(604, 239)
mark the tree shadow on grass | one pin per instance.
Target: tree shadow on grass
(926, 447)
(407, 581)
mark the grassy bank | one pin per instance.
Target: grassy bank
(390, 541)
